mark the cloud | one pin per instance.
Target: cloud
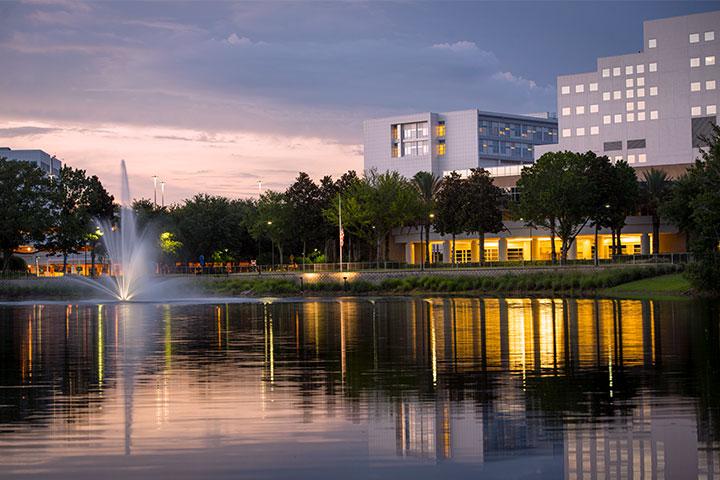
(234, 39)
(461, 46)
(25, 131)
(516, 80)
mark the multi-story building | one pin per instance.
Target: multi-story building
(443, 142)
(48, 164)
(650, 108)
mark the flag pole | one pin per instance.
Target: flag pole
(340, 230)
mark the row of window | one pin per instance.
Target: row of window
(409, 130)
(709, 110)
(629, 70)
(629, 93)
(507, 149)
(618, 145)
(697, 86)
(492, 128)
(707, 36)
(629, 117)
(594, 108)
(709, 61)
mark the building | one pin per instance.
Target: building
(650, 108)
(461, 140)
(48, 164)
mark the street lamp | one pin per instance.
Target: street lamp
(272, 246)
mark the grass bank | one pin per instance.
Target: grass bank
(671, 286)
(44, 288)
(528, 282)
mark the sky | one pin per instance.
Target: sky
(215, 97)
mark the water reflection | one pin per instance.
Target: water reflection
(541, 388)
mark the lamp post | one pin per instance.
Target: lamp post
(259, 182)
(155, 181)
(272, 245)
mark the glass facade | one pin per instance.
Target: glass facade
(512, 139)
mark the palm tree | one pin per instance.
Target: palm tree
(426, 186)
(655, 188)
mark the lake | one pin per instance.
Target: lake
(361, 388)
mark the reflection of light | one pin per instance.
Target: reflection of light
(101, 346)
(433, 345)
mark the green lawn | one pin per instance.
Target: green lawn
(672, 285)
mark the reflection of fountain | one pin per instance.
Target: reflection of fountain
(128, 250)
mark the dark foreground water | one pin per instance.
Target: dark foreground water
(354, 388)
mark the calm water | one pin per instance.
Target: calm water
(391, 388)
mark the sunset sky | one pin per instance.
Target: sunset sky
(213, 97)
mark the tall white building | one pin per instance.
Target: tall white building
(649, 108)
(48, 164)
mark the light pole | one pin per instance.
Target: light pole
(427, 243)
(272, 245)
(259, 182)
(155, 180)
(162, 194)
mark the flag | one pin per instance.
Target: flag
(342, 237)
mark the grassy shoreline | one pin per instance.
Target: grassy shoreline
(630, 282)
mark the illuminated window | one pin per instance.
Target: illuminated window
(606, 119)
(652, 67)
(710, 85)
(580, 132)
(565, 90)
(640, 81)
(641, 116)
(441, 130)
(566, 132)
(710, 60)
(653, 91)
(395, 152)
(654, 115)
(616, 71)
(694, 37)
(642, 158)
(709, 36)
(694, 62)
(617, 118)
(629, 93)
(641, 105)
(630, 106)
(711, 110)
(640, 92)
(640, 69)
(696, 111)
(629, 82)
(593, 87)
(606, 96)
(652, 43)
(580, 110)
(630, 117)
(617, 95)
(694, 86)
(618, 158)
(594, 130)
(565, 111)
(629, 70)
(579, 88)
(605, 72)
(441, 149)
(631, 158)
(594, 108)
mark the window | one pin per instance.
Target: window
(565, 90)
(441, 149)
(711, 110)
(640, 69)
(580, 132)
(617, 118)
(709, 36)
(566, 132)
(652, 67)
(616, 71)
(594, 130)
(630, 117)
(694, 62)
(710, 85)
(640, 81)
(652, 43)
(580, 110)
(629, 82)
(606, 96)
(605, 72)
(565, 111)
(618, 158)
(617, 95)
(629, 70)
(629, 93)
(579, 88)
(642, 158)
(694, 37)
(694, 86)
(612, 146)
(654, 115)
(635, 144)
(606, 119)
(630, 106)
(653, 91)
(631, 159)
(710, 60)
(641, 105)
(640, 92)
(641, 116)
(593, 87)
(440, 129)
(696, 111)
(594, 108)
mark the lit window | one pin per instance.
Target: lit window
(617, 118)
(630, 117)
(605, 72)
(694, 37)
(710, 60)
(565, 111)
(694, 62)
(606, 119)
(580, 132)
(709, 36)
(629, 70)
(617, 95)
(640, 69)
(566, 132)
(710, 85)
(641, 105)
(594, 130)
(654, 115)
(694, 86)
(618, 158)
(641, 116)
(606, 96)
(652, 43)
(579, 88)
(616, 71)
(629, 93)
(696, 111)
(441, 149)
(630, 106)
(642, 158)
(652, 67)
(640, 81)
(711, 110)
(593, 87)
(629, 82)
(594, 108)
(631, 158)
(640, 92)
(565, 90)
(653, 91)
(580, 110)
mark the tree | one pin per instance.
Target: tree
(655, 189)
(482, 202)
(203, 226)
(24, 202)
(101, 208)
(450, 216)
(273, 220)
(304, 200)
(427, 186)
